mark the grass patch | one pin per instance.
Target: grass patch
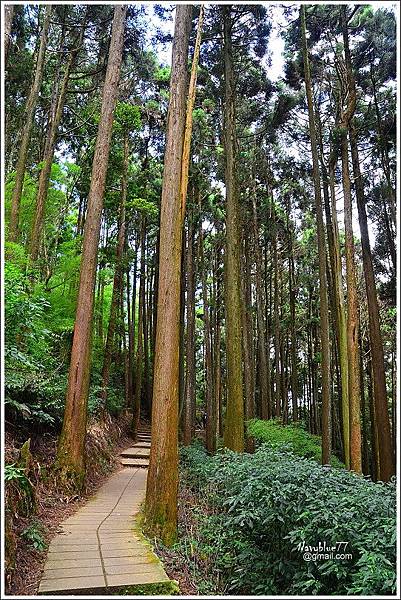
(166, 588)
(294, 436)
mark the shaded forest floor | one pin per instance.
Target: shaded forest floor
(31, 534)
(244, 520)
(241, 516)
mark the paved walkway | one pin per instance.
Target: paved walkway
(99, 547)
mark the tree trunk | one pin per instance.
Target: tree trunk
(336, 285)
(217, 346)
(146, 355)
(156, 290)
(26, 133)
(365, 432)
(263, 379)
(247, 341)
(385, 449)
(341, 318)
(184, 399)
(162, 481)
(268, 288)
(128, 397)
(181, 386)
(117, 282)
(352, 298)
(292, 299)
(190, 380)
(51, 139)
(324, 313)
(8, 21)
(284, 376)
(352, 319)
(188, 117)
(234, 422)
(211, 422)
(373, 424)
(70, 454)
(139, 371)
(277, 396)
(133, 320)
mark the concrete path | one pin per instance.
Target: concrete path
(99, 547)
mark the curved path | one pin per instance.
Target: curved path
(100, 547)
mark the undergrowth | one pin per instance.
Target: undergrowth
(245, 517)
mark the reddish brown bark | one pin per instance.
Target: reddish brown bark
(70, 453)
(386, 463)
(234, 422)
(162, 482)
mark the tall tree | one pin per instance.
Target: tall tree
(8, 21)
(385, 450)
(118, 276)
(140, 338)
(264, 399)
(50, 145)
(234, 421)
(348, 102)
(190, 381)
(341, 320)
(211, 413)
(321, 242)
(26, 132)
(71, 447)
(162, 482)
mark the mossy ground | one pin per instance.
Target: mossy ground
(167, 588)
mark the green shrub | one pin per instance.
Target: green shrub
(19, 491)
(294, 435)
(258, 509)
(34, 534)
(34, 382)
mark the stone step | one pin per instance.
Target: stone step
(135, 453)
(134, 462)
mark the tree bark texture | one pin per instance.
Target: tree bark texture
(162, 482)
(70, 453)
